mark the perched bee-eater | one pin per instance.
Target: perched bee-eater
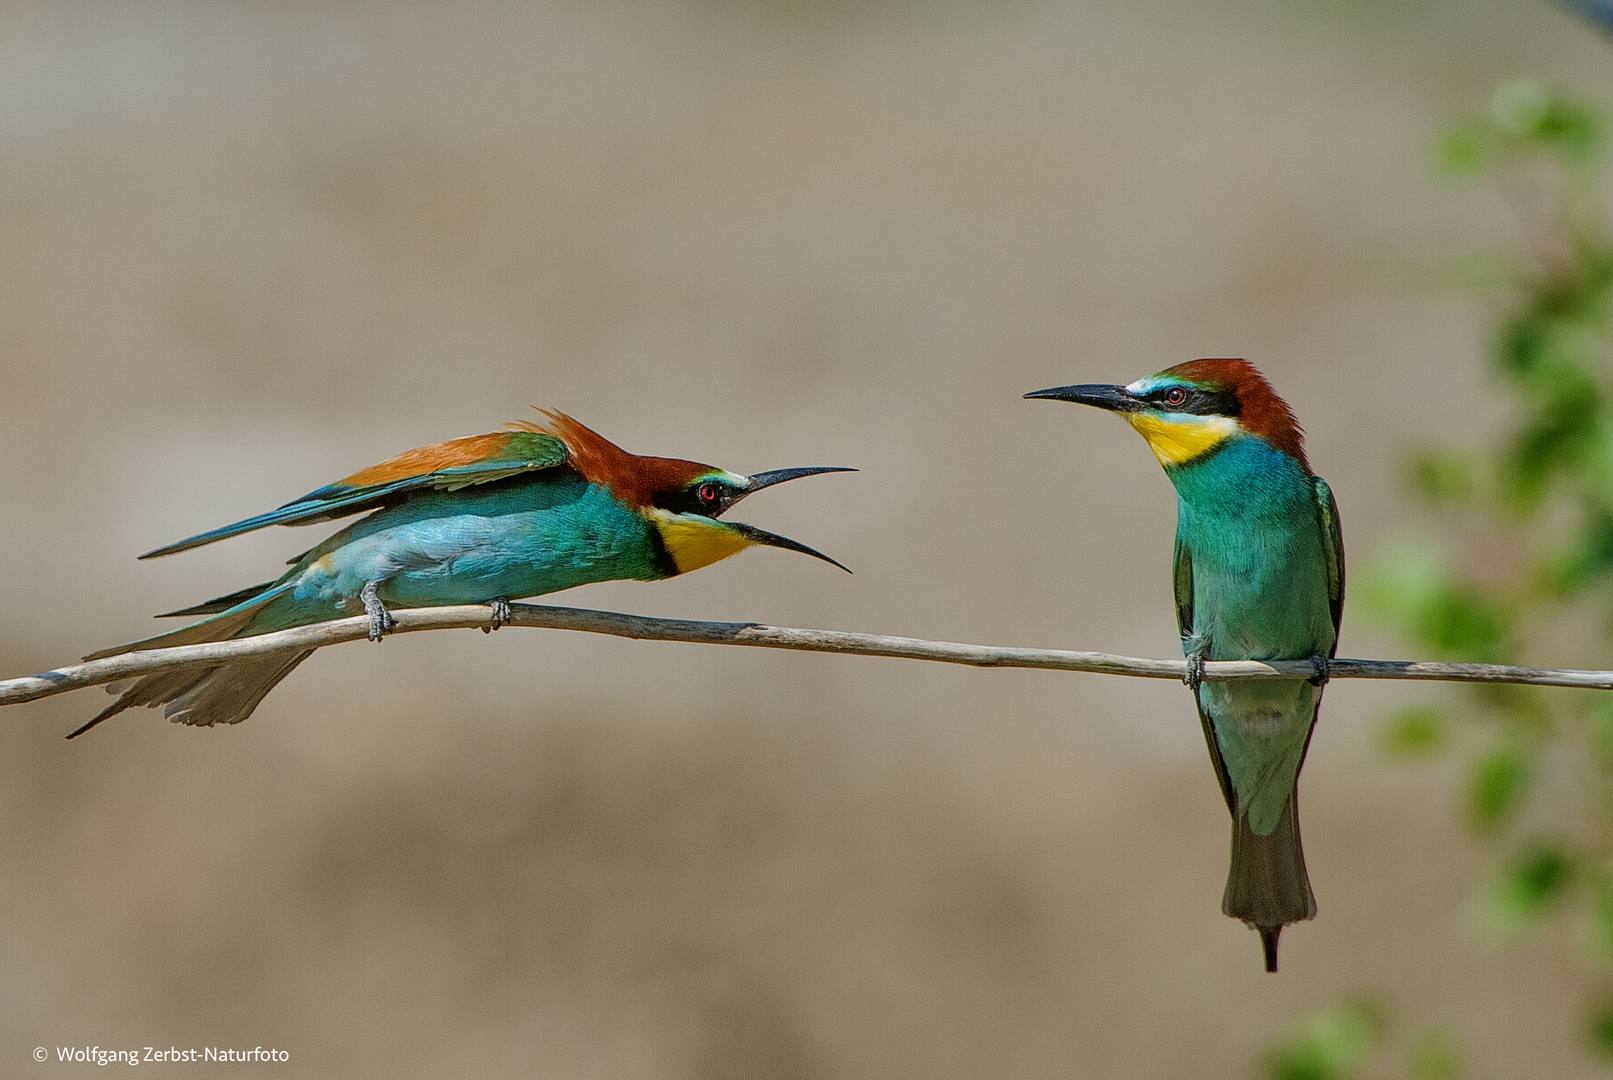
(1259, 576)
(479, 520)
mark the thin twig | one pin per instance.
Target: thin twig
(114, 668)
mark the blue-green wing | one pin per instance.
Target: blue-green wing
(446, 466)
(1182, 582)
(1332, 550)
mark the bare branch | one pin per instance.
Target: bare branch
(114, 668)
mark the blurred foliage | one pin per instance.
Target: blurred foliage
(1519, 567)
(1336, 1042)
(1353, 1039)
(1519, 570)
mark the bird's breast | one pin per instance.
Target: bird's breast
(692, 541)
(1260, 580)
(471, 548)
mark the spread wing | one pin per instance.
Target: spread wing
(1332, 550)
(1183, 582)
(445, 466)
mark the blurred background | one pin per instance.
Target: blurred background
(250, 248)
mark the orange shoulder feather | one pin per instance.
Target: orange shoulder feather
(454, 453)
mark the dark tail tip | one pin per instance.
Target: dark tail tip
(103, 716)
(1268, 942)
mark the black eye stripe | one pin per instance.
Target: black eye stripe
(708, 498)
(1200, 402)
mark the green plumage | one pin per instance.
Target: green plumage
(526, 536)
(483, 519)
(1258, 575)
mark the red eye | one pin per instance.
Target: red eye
(708, 493)
(1175, 396)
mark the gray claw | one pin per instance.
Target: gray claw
(381, 621)
(501, 613)
(1195, 672)
(1320, 665)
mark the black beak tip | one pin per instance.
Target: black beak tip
(761, 480)
(762, 536)
(1098, 395)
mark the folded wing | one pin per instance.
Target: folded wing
(445, 466)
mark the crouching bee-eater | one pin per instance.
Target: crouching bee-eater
(479, 520)
(1259, 576)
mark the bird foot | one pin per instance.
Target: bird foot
(501, 613)
(1320, 665)
(1195, 672)
(381, 620)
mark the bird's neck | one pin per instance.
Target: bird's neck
(1178, 440)
(1245, 477)
(693, 541)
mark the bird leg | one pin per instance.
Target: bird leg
(381, 621)
(1320, 665)
(501, 613)
(1195, 671)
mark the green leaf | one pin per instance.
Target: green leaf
(1469, 148)
(1434, 1056)
(1599, 1028)
(1574, 130)
(1401, 578)
(1473, 271)
(1596, 930)
(1410, 586)
(1442, 475)
(1524, 890)
(1586, 559)
(1334, 1044)
(1531, 115)
(1418, 732)
(1462, 622)
(1520, 106)
(1599, 727)
(1496, 785)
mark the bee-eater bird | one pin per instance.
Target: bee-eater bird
(1259, 576)
(479, 520)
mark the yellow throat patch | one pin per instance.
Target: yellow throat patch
(694, 541)
(1184, 436)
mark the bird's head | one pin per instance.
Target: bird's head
(1188, 412)
(682, 499)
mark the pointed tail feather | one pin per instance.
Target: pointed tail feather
(222, 694)
(221, 627)
(217, 695)
(229, 694)
(219, 604)
(305, 511)
(1267, 886)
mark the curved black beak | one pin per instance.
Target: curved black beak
(778, 476)
(762, 536)
(1098, 395)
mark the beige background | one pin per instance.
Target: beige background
(249, 248)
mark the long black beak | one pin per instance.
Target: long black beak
(762, 536)
(1098, 395)
(778, 476)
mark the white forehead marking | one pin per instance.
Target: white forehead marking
(1143, 386)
